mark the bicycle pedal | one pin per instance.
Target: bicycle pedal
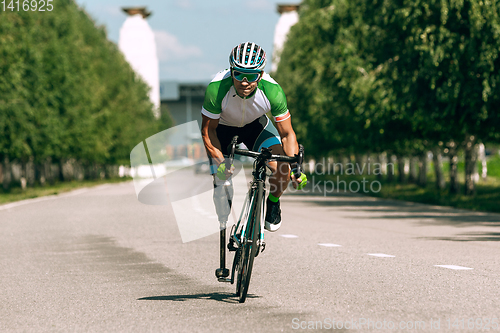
(263, 246)
(221, 273)
(224, 279)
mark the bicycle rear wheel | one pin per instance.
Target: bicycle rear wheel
(250, 246)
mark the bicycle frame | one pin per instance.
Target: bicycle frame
(251, 219)
(259, 177)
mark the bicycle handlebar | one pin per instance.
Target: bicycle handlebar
(298, 158)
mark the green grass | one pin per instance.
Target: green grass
(494, 166)
(16, 193)
(487, 197)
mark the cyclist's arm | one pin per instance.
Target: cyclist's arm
(289, 142)
(210, 139)
(288, 138)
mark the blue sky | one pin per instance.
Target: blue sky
(194, 37)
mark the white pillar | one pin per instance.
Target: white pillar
(289, 16)
(137, 42)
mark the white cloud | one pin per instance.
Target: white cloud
(185, 4)
(169, 48)
(259, 5)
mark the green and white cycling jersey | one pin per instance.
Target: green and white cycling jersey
(223, 103)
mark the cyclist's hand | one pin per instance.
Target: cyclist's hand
(224, 174)
(299, 183)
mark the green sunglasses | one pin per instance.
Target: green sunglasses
(251, 77)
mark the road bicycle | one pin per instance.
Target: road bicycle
(247, 235)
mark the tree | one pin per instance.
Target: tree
(66, 92)
(397, 76)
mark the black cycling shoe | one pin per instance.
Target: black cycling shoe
(273, 216)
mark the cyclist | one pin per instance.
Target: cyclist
(236, 103)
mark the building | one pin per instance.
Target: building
(184, 102)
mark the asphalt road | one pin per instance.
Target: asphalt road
(98, 260)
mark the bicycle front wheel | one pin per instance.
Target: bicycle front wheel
(250, 246)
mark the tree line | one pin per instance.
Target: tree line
(67, 94)
(400, 77)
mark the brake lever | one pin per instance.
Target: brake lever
(298, 166)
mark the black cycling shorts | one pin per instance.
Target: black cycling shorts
(259, 134)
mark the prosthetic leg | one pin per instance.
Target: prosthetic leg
(223, 197)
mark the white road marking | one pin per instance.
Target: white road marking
(329, 245)
(454, 267)
(381, 255)
(289, 236)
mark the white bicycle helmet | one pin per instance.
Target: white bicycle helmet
(247, 56)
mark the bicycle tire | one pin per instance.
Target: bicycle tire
(241, 257)
(237, 260)
(234, 270)
(249, 249)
